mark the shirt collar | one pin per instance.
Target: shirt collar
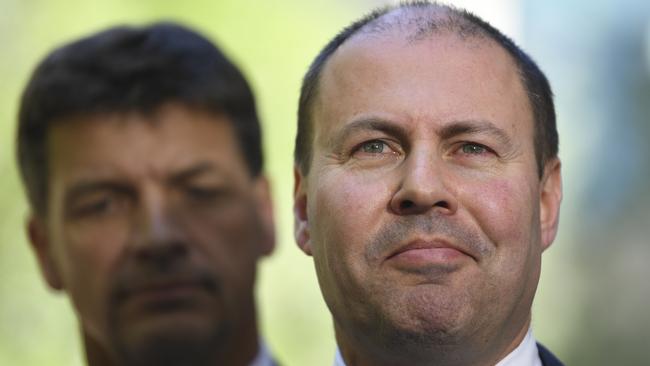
(263, 357)
(338, 359)
(526, 354)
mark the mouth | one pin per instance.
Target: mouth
(421, 254)
(165, 295)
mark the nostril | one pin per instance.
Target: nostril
(406, 204)
(442, 204)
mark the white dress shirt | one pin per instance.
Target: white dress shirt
(525, 354)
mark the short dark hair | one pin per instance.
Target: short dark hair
(130, 69)
(457, 21)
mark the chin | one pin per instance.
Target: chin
(428, 318)
(180, 343)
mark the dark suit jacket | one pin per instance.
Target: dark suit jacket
(548, 359)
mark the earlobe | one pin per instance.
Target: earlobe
(40, 243)
(301, 220)
(550, 199)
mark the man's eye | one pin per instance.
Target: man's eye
(375, 150)
(95, 207)
(203, 194)
(373, 147)
(474, 149)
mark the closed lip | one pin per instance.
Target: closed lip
(163, 287)
(429, 243)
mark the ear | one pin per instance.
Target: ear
(550, 198)
(265, 212)
(40, 243)
(301, 220)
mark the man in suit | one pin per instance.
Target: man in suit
(140, 152)
(427, 187)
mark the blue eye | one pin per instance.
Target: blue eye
(474, 149)
(373, 147)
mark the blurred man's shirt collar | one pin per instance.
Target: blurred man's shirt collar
(263, 357)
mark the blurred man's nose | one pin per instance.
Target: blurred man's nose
(158, 236)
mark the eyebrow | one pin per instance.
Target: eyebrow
(88, 186)
(450, 130)
(368, 124)
(192, 171)
(472, 127)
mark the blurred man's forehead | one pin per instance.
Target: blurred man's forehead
(173, 138)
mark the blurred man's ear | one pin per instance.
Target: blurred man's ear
(40, 243)
(301, 220)
(549, 201)
(265, 212)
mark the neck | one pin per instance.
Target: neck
(96, 354)
(239, 349)
(244, 346)
(363, 350)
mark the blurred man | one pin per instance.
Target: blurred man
(141, 155)
(427, 187)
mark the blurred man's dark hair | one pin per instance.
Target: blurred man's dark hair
(129, 69)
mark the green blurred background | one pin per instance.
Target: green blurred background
(594, 296)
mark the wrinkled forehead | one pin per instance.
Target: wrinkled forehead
(433, 28)
(436, 76)
(393, 52)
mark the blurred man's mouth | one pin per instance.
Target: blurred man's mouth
(153, 294)
(165, 295)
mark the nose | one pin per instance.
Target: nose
(157, 235)
(423, 187)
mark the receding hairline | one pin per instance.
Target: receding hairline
(408, 27)
(419, 22)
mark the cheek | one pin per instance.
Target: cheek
(508, 215)
(87, 260)
(345, 209)
(92, 253)
(504, 210)
(227, 239)
(344, 205)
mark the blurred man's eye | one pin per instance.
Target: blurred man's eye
(97, 206)
(204, 193)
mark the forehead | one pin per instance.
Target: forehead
(438, 78)
(171, 138)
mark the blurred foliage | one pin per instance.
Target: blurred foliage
(593, 294)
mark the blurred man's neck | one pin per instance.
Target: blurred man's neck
(241, 350)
